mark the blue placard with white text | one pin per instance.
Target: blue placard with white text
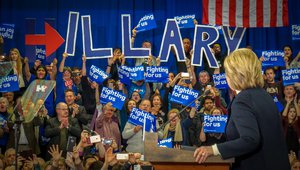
(156, 74)
(183, 95)
(116, 98)
(185, 21)
(124, 75)
(165, 143)
(97, 75)
(290, 76)
(220, 81)
(279, 106)
(215, 124)
(146, 23)
(40, 54)
(295, 32)
(273, 58)
(137, 73)
(9, 83)
(141, 118)
(7, 30)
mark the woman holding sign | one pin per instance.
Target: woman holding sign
(254, 132)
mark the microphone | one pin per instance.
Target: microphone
(177, 115)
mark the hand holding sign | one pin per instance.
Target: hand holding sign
(137, 128)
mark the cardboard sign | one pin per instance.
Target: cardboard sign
(7, 30)
(166, 143)
(215, 124)
(295, 32)
(291, 76)
(124, 75)
(137, 73)
(183, 95)
(157, 74)
(9, 83)
(279, 106)
(146, 23)
(97, 75)
(273, 58)
(116, 98)
(220, 81)
(142, 118)
(185, 21)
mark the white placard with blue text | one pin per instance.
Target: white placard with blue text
(137, 73)
(273, 58)
(215, 124)
(220, 81)
(295, 32)
(165, 143)
(7, 30)
(185, 21)
(183, 95)
(146, 23)
(116, 98)
(291, 76)
(97, 75)
(139, 117)
(156, 74)
(9, 83)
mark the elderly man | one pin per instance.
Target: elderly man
(61, 127)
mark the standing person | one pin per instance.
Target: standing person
(252, 139)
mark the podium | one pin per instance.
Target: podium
(170, 159)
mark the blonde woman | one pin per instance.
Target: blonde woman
(254, 133)
(15, 57)
(173, 128)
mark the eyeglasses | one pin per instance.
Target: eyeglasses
(63, 108)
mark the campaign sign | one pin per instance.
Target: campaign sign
(185, 21)
(291, 76)
(139, 117)
(157, 74)
(215, 124)
(137, 73)
(116, 98)
(124, 74)
(9, 83)
(146, 23)
(97, 75)
(273, 58)
(7, 30)
(279, 106)
(183, 95)
(40, 54)
(296, 32)
(166, 143)
(220, 81)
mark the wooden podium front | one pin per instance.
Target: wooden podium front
(170, 159)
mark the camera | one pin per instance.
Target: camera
(122, 156)
(185, 75)
(75, 74)
(107, 141)
(94, 139)
(71, 143)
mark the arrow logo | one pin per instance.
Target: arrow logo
(51, 39)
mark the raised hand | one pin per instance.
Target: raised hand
(55, 153)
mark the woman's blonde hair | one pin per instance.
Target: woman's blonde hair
(173, 111)
(243, 69)
(19, 60)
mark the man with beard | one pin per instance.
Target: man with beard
(272, 87)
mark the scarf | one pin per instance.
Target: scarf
(177, 129)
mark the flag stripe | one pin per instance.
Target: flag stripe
(279, 13)
(285, 12)
(273, 13)
(232, 7)
(267, 13)
(259, 13)
(225, 12)
(246, 13)
(212, 12)
(218, 11)
(239, 13)
(205, 12)
(252, 14)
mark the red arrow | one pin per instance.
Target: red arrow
(51, 39)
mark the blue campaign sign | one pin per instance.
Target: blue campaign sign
(220, 81)
(9, 83)
(290, 76)
(183, 95)
(40, 54)
(137, 73)
(139, 117)
(185, 21)
(97, 75)
(295, 32)
(116, 98)
(157, 74)
(146, 23)
(273, 58)
(279, 106)
(124, 75)
(166, 143)
(7, 30)
(215, 124)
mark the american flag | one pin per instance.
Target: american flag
(245, 13)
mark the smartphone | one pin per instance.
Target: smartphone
(185, 75)
(27, 154)
(71, 143)
(122, 156)
(107, 141)
(94, 139)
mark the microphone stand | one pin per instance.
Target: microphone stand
(16, 127)
(177, 114)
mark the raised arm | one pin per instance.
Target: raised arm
(27, 69)
(54, 69)
(62, 63)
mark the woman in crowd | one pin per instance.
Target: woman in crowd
(173, 129)
(4, 130)
(158, 108)
(15, 57)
